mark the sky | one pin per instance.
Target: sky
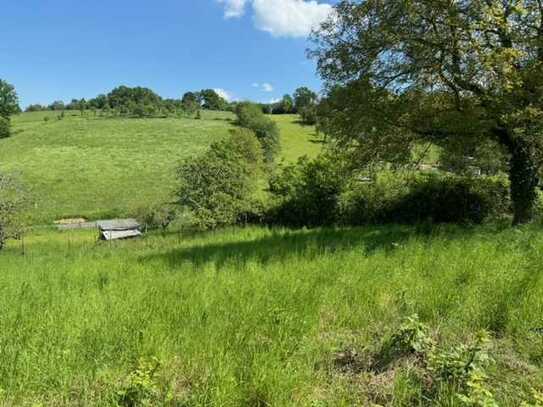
(245, 49)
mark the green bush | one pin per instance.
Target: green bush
(13, 199)
(323, 192)
(450, 199)
(250, 116)
(156, 216)
(367, 198)
(307, 193)
(5, 127)
(219, 186)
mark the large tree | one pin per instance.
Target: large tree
(9, 105)
(304, 98)
(450, 72)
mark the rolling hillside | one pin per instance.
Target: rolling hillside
(96, 167)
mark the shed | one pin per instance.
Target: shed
(116, 229)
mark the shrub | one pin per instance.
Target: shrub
(250, 116)
(307, 193)
(309, 115)
(156, 216)
(450, 199)
(12, 203)
(367, 198)
(5, 127)
(218, 186)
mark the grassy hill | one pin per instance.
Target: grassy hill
(254, 317)
(103, 167)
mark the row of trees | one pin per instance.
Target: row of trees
(303, 101)
(140, 102)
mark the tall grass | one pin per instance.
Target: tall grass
(257, 317)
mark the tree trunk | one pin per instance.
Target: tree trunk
(523, 175)
(2, 237)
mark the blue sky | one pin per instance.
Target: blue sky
(63, 49)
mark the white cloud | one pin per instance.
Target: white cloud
(224, 94)
(290, 18)
(281, 18)
(267, 87)
(233, 8)
(273, 101)
(264, 87)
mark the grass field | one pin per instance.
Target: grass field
(254, 317)
(97, 167)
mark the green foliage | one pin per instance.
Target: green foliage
(219, 185)
(306, 193)
(13, 199)
(9, 102)
(158, 216)
(250, 116)
(325, 191)
(305, 103)
(57, 106)
(256, 313)
(304, 98)
(389, 88)
(449, 199)
(190, 102)
(211, 100)
(5, 127)
(138, 102)
(141, 387)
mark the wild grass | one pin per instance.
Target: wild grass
(97, 167)
(263, 316)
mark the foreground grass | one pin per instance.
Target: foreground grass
(258, 317)
(97, 167)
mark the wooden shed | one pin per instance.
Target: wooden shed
(116, 229)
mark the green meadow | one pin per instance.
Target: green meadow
(257, 317)
(391, 315)
(95, 167)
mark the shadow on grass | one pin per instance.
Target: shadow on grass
(309, 244)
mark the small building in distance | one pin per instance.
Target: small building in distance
(116, 229)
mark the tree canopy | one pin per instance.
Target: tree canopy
(402, 72)
(9, 102)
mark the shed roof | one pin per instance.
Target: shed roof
(118, 224)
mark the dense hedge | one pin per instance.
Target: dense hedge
(250, 116)
(319, 193)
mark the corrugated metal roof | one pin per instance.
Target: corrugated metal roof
(118, 224)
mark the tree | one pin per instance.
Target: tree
(218, 187)
(405, 72)
(99, 102)
(57, 105)
(9, 102)
(285, 106)
(190, 102)
(251, 117)
(304, 98)
(212, 101)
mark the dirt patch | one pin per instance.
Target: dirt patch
(70, 221)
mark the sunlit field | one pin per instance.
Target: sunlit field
(266, 317)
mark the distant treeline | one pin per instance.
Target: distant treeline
(143, 102)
